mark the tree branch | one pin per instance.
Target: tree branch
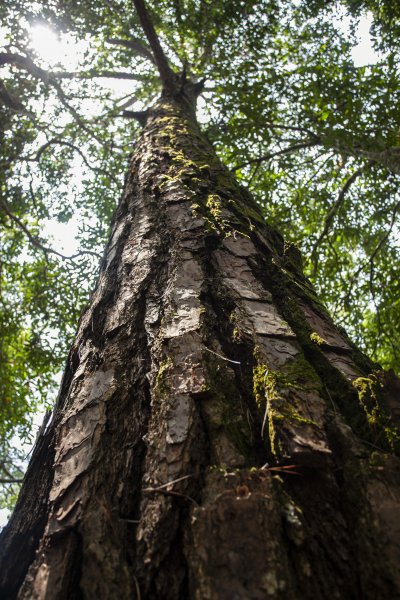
(167, 75)
(25, 62)
(11, 100)
(6, 470)
(11, 58)
(76, 149)
(295, 128)
(332, 213)
(35, 241)
(387, 234)
(288, 150)
(133, 44)
(389, 157)
(93, 73)
(68, 145)
(11, 480)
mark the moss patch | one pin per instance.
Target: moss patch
(317, 339)
(162, 386)
(369, 391)
(272, 395)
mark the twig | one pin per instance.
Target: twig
(63, 143)
(372, 268)
(136, 521)
(370, 260)
(179, 20)
(330, 398)
(286, 469)
(318, 169)
(373, 295)
(161, 489)
(7, 472)
(235, 362)
(386, 235)
(253, 174)
(372, 445)
(165, 485)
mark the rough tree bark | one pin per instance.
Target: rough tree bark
(215, 435)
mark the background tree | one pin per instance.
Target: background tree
(242, 28)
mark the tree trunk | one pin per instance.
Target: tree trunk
(215, 436)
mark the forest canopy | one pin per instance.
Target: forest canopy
(312, 132)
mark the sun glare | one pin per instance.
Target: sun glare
(54, 48)
(47, 44)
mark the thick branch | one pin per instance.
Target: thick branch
(135, 45)
(389, 158)
(167, 75)
(11, 58)
(93, 73)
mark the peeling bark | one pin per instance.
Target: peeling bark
(215, 435)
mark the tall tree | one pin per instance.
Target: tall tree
(313, 135)
(215, 434)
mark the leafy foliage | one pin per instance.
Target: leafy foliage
(314, 135)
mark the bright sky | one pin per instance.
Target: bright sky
(66, 53)
(364, 54)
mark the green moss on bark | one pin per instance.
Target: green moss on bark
(162, 386)
(272, 395)
(225, 411)
(369, 391)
